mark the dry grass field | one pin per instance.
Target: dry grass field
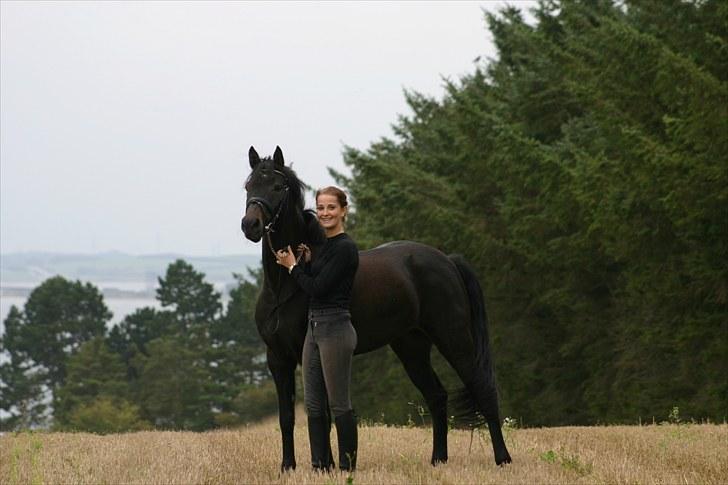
(613, 454)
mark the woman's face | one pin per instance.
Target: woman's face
(330, 213)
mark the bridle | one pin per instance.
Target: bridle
(267, 209)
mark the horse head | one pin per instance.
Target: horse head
(273, 193)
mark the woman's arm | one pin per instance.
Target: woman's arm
(330, 275)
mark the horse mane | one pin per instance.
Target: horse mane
(298, 215)
(314, 232)
(295, 185)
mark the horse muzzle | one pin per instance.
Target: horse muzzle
(251, 224)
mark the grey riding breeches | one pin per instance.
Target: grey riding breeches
(327, 354)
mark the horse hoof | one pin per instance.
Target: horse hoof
(288, 467)
(504, 461)
(438, 461)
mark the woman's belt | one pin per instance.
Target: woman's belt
(328, 315)
(317, 312)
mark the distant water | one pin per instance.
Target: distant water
(120, 307)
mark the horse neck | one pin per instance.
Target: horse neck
(289, 231)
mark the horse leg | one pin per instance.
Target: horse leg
(284, 377)
(413, 350)
(480, 392)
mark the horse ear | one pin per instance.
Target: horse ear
(253, 158)
(278, 156)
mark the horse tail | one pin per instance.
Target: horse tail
(477, 402)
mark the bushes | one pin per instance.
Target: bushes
(105, 415)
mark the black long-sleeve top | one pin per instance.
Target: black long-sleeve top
(330, 277)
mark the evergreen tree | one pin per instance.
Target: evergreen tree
(193, 301)
(93, 372)
(58, 317)
(132, 334)
(224, 348)
(236, 333)
(21, 381)
(174, 386)
(240, 365)
(584, 173)
(192, 313)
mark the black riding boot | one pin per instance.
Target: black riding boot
(318, 435)
(348, 440)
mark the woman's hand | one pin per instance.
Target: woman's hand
(302, 248)
(285, 257)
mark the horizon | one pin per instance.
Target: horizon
(125, 253)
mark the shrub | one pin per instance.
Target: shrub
(104, 415)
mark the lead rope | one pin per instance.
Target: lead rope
(268, 229)
(278, 292)
(273, 251)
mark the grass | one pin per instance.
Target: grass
(669, 453)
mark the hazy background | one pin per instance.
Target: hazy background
(125, 126)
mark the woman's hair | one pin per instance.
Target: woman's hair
(331, 190)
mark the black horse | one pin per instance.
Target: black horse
(406, 295)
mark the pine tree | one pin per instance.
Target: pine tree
(23, 396)
(58, 317)
(583, 172)
(92, 372)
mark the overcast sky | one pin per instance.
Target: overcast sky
(125, 126)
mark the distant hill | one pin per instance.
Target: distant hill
(22, 269)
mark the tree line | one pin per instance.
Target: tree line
(190, 365)
(584, 172)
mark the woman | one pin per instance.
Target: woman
(330, 337)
